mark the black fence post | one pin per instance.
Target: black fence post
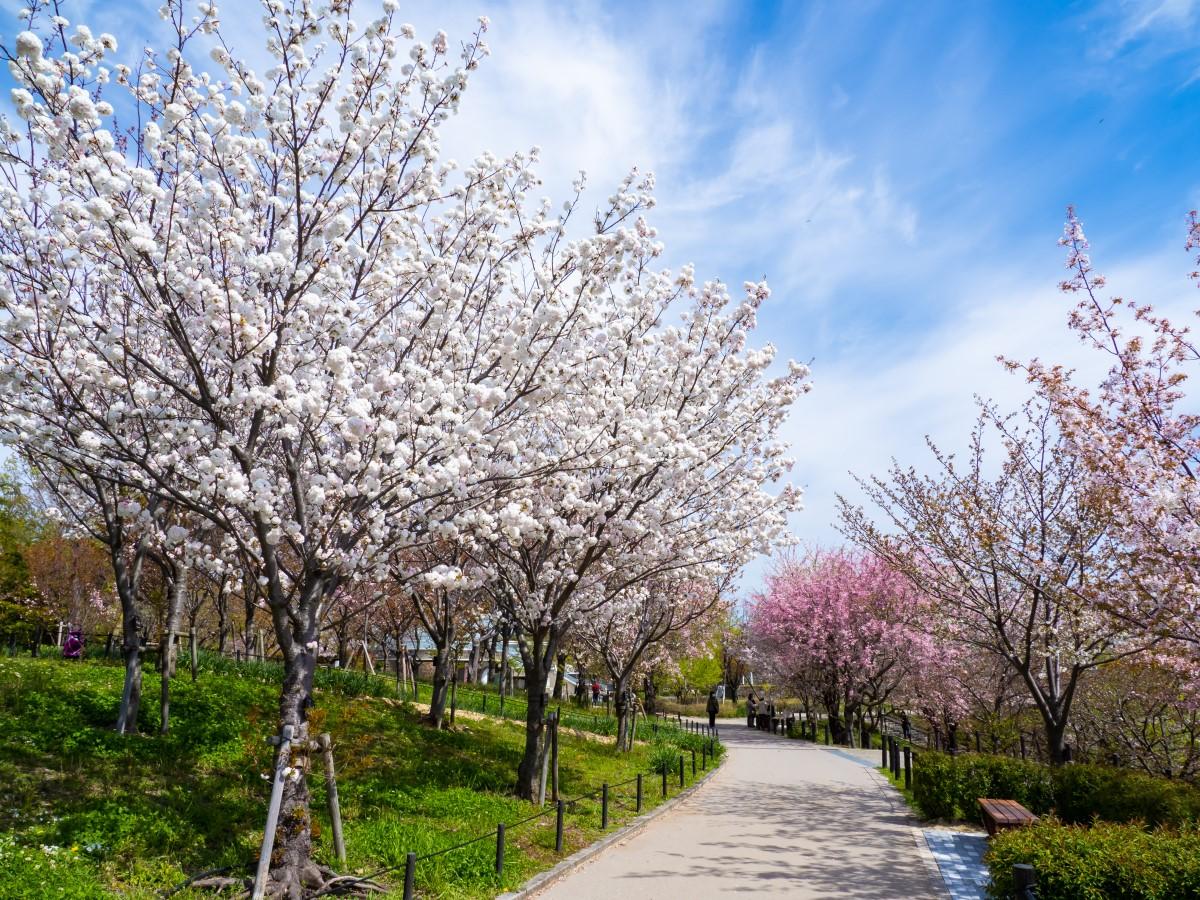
(704, 757)
(604, 807)
(1025, 880)
(410, 873)
(693, 763)
(664, 781)
(883, 751)
(681, 770)
(558, 825)
(639, 792)
(907, 768)
(500, 849)
(827, 734)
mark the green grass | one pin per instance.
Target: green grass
(85, 812)
(898, 784)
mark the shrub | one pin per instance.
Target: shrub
(947, 787)
(1107, 860)
(935, 785)
(1085, 792)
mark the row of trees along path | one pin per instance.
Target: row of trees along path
(267, 333)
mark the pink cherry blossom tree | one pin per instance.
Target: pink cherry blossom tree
(846, 622)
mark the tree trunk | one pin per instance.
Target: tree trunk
(131, 695)
(837, 729)
(222, 602)
(443, 665)
(293, 872)
(536, 653)
(561, 677)
(622, 705)
(127, 578)
(651, 692)
(167, 651)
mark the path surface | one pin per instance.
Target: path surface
(781, 817)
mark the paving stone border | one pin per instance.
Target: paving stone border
(959, 856)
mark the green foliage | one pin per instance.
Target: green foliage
(18, 528)
(947, 787)
(1123, 795)
(134, 815)
(1104, 861)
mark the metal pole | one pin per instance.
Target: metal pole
(664, 781)
(268, 844)
(639, 792)
(693, 763)
(604, 807)
(558, 825)
(681, 770)
(410, 872)
(500, 849)
(907, 768)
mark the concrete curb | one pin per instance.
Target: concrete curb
(900, 805)
(543, 880)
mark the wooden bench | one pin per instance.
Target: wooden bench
(1001, 814)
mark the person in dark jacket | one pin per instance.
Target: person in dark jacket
(713, 707)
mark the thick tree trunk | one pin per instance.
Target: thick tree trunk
(622, 707)
(443, 668)
(837, 727)
(560, 678)
(293, 872)
(536, 656)
(127, 578)
(131, 695)
(651, 692)
(167, 652)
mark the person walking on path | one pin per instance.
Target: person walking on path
(714, 707)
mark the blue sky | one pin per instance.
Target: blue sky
(897, 171)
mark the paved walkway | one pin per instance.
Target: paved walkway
(782, 817)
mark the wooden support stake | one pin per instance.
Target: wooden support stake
(335, 810)
(268, 844)
(545, 760)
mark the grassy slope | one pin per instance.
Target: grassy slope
(87, 813)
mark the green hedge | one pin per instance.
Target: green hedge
(947, 787)
(1104, 861)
